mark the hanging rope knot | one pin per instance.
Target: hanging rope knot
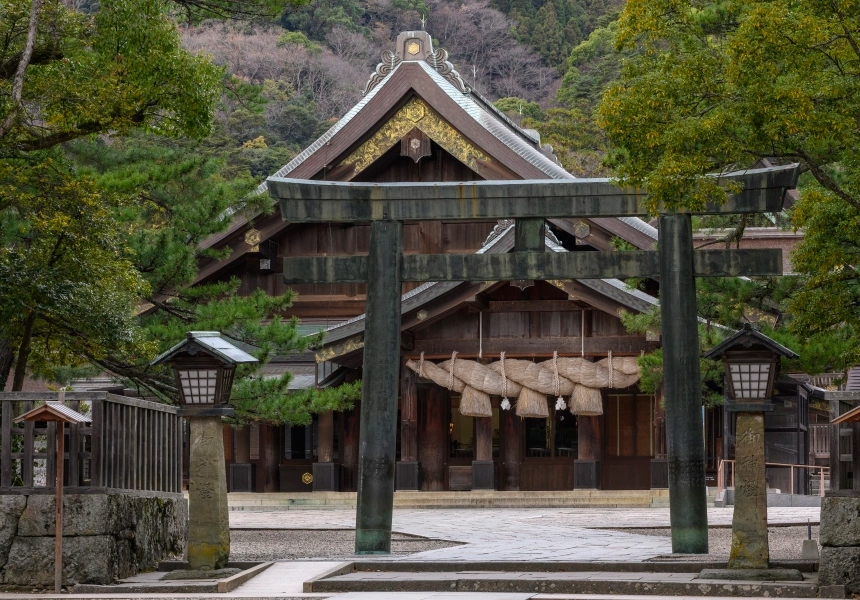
(451, 371)
(611, 372)
(421, 366)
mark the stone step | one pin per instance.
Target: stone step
(571, 582)
(478, 499)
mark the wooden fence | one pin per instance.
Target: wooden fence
(131, 444)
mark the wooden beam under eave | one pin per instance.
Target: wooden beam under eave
(622, 345)
(579, 292)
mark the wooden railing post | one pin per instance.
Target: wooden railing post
(27, 463)
(97, 444)
(6, 448)
(821, 486)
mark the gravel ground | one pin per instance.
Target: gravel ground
(322, 544)
(785, 542)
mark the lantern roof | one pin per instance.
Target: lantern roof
(208, 342)
(54, 411)
(749, 339)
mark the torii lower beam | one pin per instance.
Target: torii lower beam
(757, 262)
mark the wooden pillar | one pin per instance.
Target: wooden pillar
(483, 467)
(511, 450)
(58, 509)
(326, 472)
(242, 443)
(586, 467)
(269, 452)
(378, 437)
(325, 431)
(688, 512)
(408, 472)
(855, 457)
(349, 448)
(433, 437)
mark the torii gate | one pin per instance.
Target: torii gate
(387, 205)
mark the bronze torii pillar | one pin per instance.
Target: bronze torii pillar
(377, 438)
(387, 205)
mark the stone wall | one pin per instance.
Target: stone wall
(840, 542)
(105, 536)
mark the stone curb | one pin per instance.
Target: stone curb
(562, 586)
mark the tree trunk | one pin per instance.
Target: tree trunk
(7, 358)
(23, 353)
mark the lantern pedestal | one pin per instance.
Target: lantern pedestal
(208, 520)
(749, 523)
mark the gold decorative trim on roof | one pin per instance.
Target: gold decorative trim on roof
(416, 114)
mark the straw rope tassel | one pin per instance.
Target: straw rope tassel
(611, 372)
(560, 404)
(506, 404)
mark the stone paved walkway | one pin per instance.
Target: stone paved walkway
(534, 534)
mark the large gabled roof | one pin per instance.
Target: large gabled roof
(428, 76)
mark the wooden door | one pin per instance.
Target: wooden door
(628, 442)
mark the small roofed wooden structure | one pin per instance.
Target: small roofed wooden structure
(852, 416)
(57, 412)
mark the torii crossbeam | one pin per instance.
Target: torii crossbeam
(387, 205)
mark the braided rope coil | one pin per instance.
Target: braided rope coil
(559, 376)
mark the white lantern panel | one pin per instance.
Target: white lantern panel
(198, 386)
(750, 380)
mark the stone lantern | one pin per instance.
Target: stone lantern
(204, 364)
(751, 361)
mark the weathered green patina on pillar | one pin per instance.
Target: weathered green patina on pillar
(682, 387)
(380, 379)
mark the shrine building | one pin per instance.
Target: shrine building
(505, 385)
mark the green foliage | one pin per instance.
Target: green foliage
(103, 236)
(298, 38)
(828, 304)
(592, 66)
(67, 283)
(123, 68)
(553, 28)
(268, 400)
(651, 364)
(699, 96)
(417, 6)
(317, 18)
(722, 84)
(547, 35)
(518, 108)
